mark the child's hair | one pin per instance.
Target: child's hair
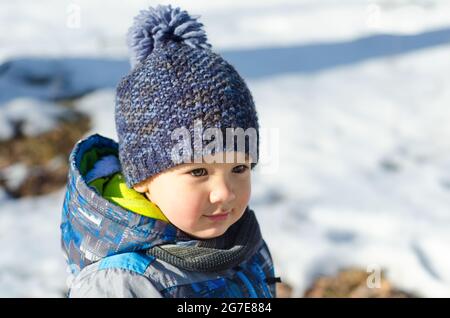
(175, 81)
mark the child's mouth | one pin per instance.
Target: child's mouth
(219, 217)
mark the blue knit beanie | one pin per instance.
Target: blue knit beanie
(175, 81)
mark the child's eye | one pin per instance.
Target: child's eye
(198, 172)
(240, 169)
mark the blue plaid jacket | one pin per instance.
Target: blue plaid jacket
(105, 246)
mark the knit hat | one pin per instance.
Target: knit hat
(177, 84)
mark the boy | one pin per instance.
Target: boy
(141, 221)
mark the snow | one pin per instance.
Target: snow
(32, 263)
(369, 183)
(357, 92)
(99, 105)
(74, 28)
(33, 116)
(58, 78)
(14, 175)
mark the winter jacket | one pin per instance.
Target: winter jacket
(118, 245)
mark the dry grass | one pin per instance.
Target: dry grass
(45, 156)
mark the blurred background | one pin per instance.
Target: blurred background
(354, 95)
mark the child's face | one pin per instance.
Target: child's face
(202, 199)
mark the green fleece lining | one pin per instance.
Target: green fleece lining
(114, 188)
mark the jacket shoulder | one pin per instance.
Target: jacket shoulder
(120, 275)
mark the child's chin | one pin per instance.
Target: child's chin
(210, 233)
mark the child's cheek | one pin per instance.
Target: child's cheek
(243, 199)
(191, 207)
(195, 206)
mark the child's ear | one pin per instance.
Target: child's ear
(140, 187)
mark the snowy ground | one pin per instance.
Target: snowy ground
(362, 175)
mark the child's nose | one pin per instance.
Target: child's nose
(222, 192)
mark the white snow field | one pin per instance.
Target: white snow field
(353, 102)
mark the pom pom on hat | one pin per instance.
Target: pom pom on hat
(157, 26)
